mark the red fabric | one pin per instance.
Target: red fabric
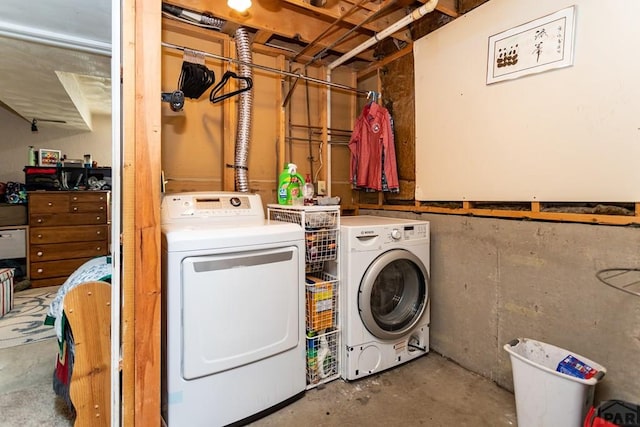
(62, 366)
(372, 138)
(591, 420)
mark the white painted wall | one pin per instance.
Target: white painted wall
(571, 134)
(16, 138)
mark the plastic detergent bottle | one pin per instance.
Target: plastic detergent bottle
(290, 186)
(324, 362)
(283, 182)
(308, 191)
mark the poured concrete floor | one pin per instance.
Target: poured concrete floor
(430, 391)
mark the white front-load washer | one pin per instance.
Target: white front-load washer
(385, 310)
(233, 337)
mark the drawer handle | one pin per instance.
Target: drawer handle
(98, 248)
(97, 218)
(75, 209)
(39, 236)
(50, 204)
(40, 220)
(39, 253)
(101, 208)
(40, 270)
(75, 198)
(98, 232)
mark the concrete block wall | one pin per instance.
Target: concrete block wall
(493, 280)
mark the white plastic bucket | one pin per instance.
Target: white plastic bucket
(545, 397)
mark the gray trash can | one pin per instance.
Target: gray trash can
(544, 396)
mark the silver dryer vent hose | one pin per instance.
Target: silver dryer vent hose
(243, 48)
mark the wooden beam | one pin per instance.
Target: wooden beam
(172, 25)
(506, 213)
(141, 286)
(340, 10)
(448, 7)
(262, 37)
(280, 18)
(384, 61)
(230, 116)
(281, 130)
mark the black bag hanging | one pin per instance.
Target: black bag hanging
(195, 78)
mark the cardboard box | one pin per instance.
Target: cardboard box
(320, 304)
(6, 290)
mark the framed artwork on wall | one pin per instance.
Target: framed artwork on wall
(47, 157)
(540, 45)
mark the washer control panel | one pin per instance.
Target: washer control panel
(404, 232)
(211, 206)
(381, 235)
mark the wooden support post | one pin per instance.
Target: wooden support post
(281, 130)
(141, 65)
(326, 155)
(535, 206)
(230, 119)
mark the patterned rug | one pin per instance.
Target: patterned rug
(24, 324)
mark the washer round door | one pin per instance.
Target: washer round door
(393, 294)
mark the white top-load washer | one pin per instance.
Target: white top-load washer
(385, 304)
(233, 342)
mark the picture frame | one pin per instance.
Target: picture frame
(48, 157)
(540, 45)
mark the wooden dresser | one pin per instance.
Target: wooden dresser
(66, 228)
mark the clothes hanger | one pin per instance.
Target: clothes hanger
(195, 78)
(225, 78)
(373, 96)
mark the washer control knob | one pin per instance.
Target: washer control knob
(395, 234)
(235, 201)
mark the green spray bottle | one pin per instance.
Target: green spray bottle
(290, 184)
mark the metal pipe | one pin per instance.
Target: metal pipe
(265, 68)
(403, 22)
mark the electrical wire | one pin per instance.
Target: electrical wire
(417, 347)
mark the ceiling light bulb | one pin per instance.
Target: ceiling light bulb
(239, 5)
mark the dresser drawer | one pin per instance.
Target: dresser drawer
(44, 235)
(46, 202)
(49, 202)
(89, 197)
(67, 250)
(63, 268)
(48, 220)
(88, 207)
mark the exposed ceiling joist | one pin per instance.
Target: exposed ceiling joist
(262, 37)
(285, 20)
(356, 12)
